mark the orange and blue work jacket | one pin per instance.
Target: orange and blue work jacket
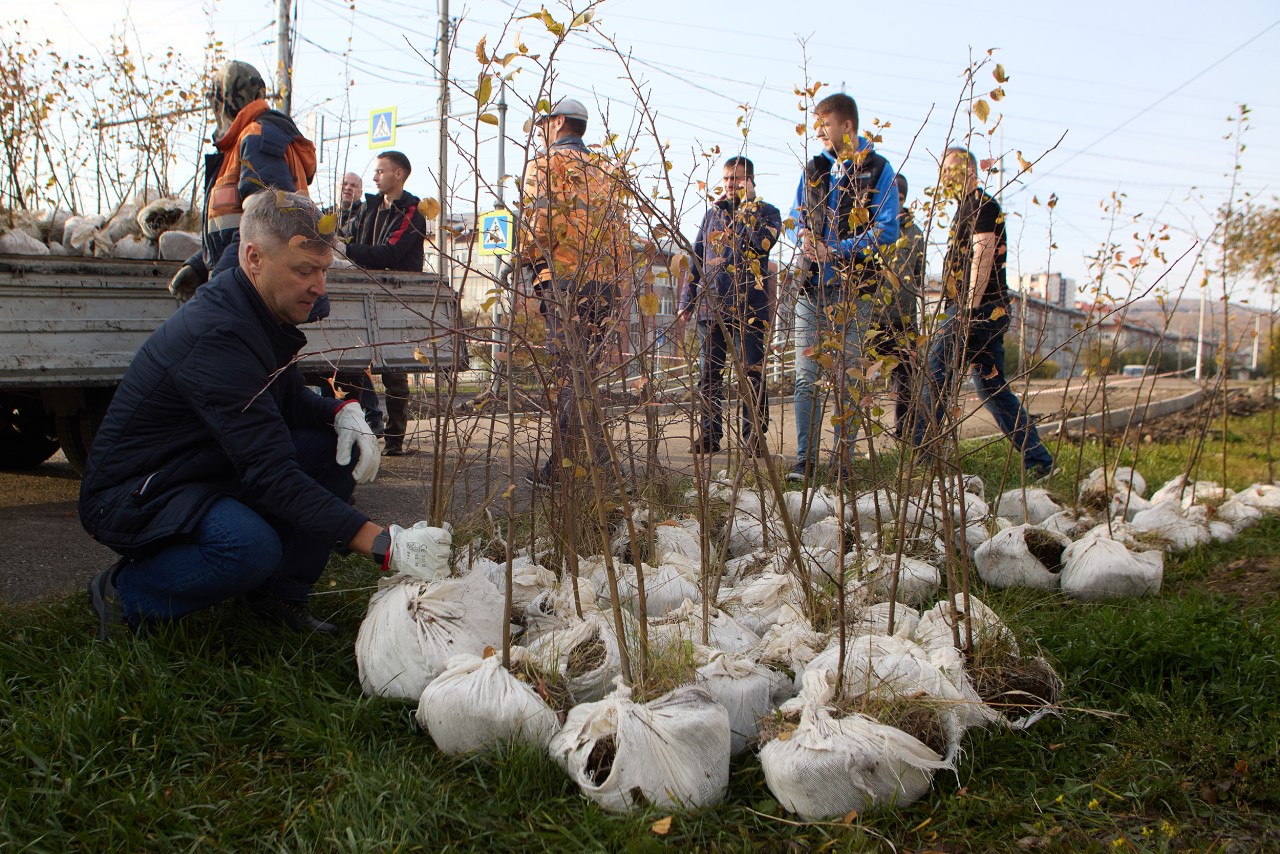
(575, 221)
(262, 148)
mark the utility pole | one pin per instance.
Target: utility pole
(442, 218)
(284, 64)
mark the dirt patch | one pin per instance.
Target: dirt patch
(1016, 686)
(585, 658)
(1205, 415)
(1046, 548)
(1252, 581)
(600, 759)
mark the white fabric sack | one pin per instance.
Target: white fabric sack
(1097, 488)
(671, 753)
(528, 579)
(677, 538)
(135, 247)
(935, 628)
(1171, 524)
(555, 651)
(1026, 506)
(1238, 512)
(825, 533)
(873, 619)
(476, 705)
(746, 533)
(665, 586)
(790, 643)
(178, 245)
(918, 580)
(18, 242)
(754, 563)
(830, 767)
(1187, 493)
(159, 216)
(123, 223)
(974, 484)
(757, 601)
(1262, 496)
(412, 628)
(1006, 560)
(685, 624)
(1097, 568)
(807, 506)
(78, 230)
(878, 507)
(747, 690)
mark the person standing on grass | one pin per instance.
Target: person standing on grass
(977, 316)
(576, 240)
(898, 307)
(735, 295)
(846, 210)
(389, 236)
(216, 473)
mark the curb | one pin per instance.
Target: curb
(1114, 418)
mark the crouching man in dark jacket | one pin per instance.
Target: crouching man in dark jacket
(216, 473)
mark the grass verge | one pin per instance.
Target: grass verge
(223, 734)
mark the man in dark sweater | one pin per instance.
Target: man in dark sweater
(972, 333)
(216, 473)
(735, 296)
(389, 236)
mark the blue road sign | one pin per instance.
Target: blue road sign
(495, 233)
(382, 128)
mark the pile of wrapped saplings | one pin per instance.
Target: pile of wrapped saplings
(815, 630)
(149, 228)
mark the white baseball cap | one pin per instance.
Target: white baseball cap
(570, 108)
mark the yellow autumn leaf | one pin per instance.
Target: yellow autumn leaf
(485, 90)
(981, 109)
(583, 19)
(999, 74)
(489, 118)
(480, 55)
(998, 312)
(328, 224)
(662, 826)
(419, 356)
(648, 304)
(1022, 162)
(429, 208)
(996, 94)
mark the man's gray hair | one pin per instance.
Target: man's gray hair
(968, 155)
(274, 217)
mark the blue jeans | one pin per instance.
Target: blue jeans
(983, 348)
(237, 550)
(821, 315)
(716, 338)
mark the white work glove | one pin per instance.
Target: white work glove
(421, 551)
(353, 430)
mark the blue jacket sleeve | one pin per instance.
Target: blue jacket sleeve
(262, 162)
(884, 218)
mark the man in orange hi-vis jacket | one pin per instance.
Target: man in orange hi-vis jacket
(577, 240)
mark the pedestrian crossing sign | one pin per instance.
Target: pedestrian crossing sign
(382, 128)
(495, 233)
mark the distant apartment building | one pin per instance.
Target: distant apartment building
(1053, 288)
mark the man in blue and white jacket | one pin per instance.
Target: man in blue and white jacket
(846, 212)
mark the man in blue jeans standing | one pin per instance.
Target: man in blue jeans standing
(846, 209)
(216, 473)
(972, 333)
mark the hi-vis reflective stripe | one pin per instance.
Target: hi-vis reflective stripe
(223, 222)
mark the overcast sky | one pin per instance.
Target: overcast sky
(1142, 91)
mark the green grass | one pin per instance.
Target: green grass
(222, 734)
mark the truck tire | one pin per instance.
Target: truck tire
(27, 433)
(75, 434)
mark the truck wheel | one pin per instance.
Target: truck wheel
(26, 433)
(75, 434)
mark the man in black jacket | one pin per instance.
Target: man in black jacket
(216, 473)
(389, 236)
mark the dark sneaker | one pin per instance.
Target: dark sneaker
(799, 472)
(539, 479)
(105, 602)
(705, 445)
(295, 615)
(398, 451)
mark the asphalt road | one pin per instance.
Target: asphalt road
(44, 552)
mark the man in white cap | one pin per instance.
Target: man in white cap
(576, 240)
